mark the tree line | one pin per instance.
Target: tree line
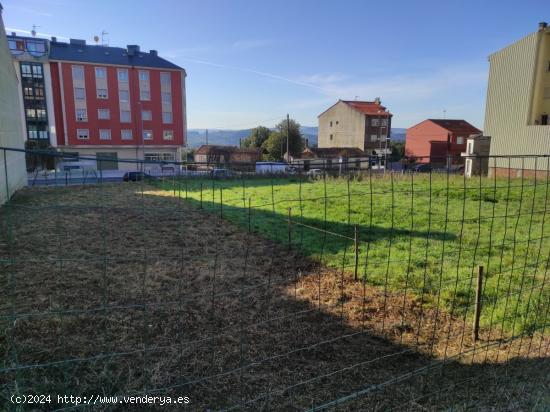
(273, 142)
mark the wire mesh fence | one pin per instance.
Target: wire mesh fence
(349, 289)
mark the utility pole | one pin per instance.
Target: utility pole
(206, 136)
(287, 138)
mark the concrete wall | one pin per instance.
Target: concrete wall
(347, 130)
(11, 128)
(510, 96)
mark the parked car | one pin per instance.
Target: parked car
(136, 176)
(423, 168)
(220, 173)
(314, 173)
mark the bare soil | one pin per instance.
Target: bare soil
(114, 290)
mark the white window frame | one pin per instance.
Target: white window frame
(375, 122)
(145, 95)
(165, 78)
(101, 70)
(102, 132)
(125, 76)
(170, 133)
(77, 69)
(164, 119)
(147, 118)
(127, 92)
(128, 135)
(83, 93)
(83, 132)
(81, 118)
(129, 120)
(147, 135)
(102, 95)
(99, 111)
(144, 75)
(374, 138)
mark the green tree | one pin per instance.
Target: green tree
(397, 150)
(275, 146)
(257, 137)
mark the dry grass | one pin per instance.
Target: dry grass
(109, 290)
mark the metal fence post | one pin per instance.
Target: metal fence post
(201, 197)
(356, 249)
(289, 228)
(478, 303)
(249, 216)
(221, 203)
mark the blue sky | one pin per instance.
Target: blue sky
(251, 62)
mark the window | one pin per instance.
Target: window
(28, 92)
(100, 72)
(122, 75)
(123, 95)
(331, 137)
(147, 135)
(82, 134)
(103, 114)
(79, 93)
(125, 116)
(374, 122)
(146, 115)
(159, 157)
(104, 134)
(78, 72)
(43, 134)
(167, 117)
(168, 135)
(331, 123)
(35, 46)
(144, 75)
(81, 115)
(544, 120)
(470, 148)
(39, 92)
(26, 70)
(31, 113)
(101, 93)
(165, 78)
(549, 65)
(166, 97)
(40, 113)
(460, 140)
(126, 134)
(383, 122)
(373, 137)
(336, 122)
(37, 70)
(144, 95)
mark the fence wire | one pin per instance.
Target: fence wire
(342, 289)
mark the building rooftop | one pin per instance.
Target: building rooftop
(332, 152)
(372, 108)
(79, 51)
(456, 126)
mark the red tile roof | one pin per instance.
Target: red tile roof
(371, 108)
(456, 126)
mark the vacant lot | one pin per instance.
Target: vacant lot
(419, 234)
(128, 289)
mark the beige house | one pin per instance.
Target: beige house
(361, 124)
(518, 105)
(11, 127)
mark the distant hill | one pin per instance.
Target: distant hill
(197, 137)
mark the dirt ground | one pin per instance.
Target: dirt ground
(113, 290)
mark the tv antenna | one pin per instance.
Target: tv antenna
(104, 38)
(33, 31)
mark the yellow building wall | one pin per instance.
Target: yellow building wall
(347, 130)
(510, 102)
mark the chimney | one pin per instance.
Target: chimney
(153, 53)
(543, 25)
(307, 142)
(132, 49)
(77, 42)
(377, 100)
(13, 33)
(54, 39)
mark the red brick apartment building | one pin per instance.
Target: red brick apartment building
(432, 140)
(117, 103)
